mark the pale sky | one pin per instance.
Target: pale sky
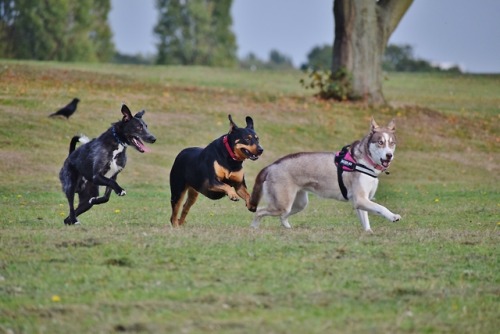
(462, 32)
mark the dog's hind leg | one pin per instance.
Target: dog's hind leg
(300, 202)
(270, 211)
(71, 219)
(192, 195)
(69, 181)
(280, 204)
(175, 202)
(85, 195)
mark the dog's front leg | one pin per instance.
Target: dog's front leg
(225, 188)
(242, 191)
(101, 180)
(367, 205)
(101, 200)
(365, 221)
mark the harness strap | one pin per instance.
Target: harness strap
(340, 180)
(345, 162)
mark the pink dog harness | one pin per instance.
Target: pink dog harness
(345, 163)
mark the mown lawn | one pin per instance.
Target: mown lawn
(124, 269)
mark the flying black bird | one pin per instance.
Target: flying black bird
(68, 110)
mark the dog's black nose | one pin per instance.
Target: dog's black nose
(260, 150)
(389, 156)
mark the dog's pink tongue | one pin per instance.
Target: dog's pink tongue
(141, 146)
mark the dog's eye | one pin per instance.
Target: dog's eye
(381, 142)
(139, 127)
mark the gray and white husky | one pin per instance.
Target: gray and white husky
(348, 175)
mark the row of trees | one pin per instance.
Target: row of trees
(401, 58)
(188, 32)
(63, 30)
(397, 58)
(199, 32)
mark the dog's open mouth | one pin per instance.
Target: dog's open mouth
(139, 145)
(385, 163)
(249, 154)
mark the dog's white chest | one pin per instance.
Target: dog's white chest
(114, 167)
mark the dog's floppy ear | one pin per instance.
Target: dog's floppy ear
(374, 125)
(249, 122)
(232, 125)
(392, 125)
(127, 115)
(140, 113)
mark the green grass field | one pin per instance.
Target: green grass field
(124, 269)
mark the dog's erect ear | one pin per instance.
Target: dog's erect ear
(374, 125)
(140, 113)
(127, 115)
(249, 122)
(232, 125)
(392, 125)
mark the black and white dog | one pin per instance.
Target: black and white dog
(98, 161)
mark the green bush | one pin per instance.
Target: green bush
(337, 86)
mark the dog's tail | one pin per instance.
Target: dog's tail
(82, 139)
(257, 190)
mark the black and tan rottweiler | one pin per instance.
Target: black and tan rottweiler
(215, 171)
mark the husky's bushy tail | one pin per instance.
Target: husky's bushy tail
(80, 138)
(257, 189)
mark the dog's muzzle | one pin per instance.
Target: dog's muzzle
(253, 156)
(386, 162)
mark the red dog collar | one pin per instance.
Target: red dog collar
(228, 148)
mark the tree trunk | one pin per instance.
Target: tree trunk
(362, 30)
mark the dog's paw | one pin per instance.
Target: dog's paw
(254, 226)
(286, 224)
(91, 200)
(252, 208)
(68, 221)
(396, 218)
(122, 193)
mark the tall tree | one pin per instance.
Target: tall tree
(195, 32)
(64, 30)
(362, 30)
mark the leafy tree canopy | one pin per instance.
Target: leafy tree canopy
(320, 57)
(400, 58)
(195, 32)
(63, 30)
